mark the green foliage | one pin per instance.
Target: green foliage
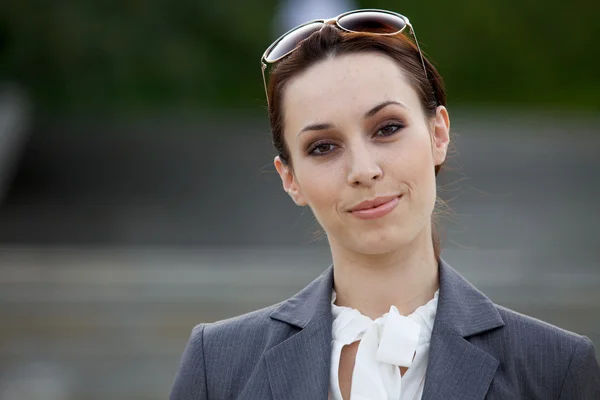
(136, 55)
(512, 52)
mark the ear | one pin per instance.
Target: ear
(441, 135)
(289, 181)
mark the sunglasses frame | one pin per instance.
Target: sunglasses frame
(335, 21)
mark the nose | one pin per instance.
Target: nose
(364, 169)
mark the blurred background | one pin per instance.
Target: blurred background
(137, 196)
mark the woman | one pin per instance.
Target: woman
(359, 120)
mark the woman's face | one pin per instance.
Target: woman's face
(357, 133)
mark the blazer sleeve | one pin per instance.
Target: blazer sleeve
(190, 381)
(583, 375)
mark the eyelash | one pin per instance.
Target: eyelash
(314, 146)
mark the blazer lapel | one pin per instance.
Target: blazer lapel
(458, 369)
(298, 367)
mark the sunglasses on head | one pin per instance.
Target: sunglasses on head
(379, 22)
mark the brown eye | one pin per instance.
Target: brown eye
(321, 149)
(388, 130)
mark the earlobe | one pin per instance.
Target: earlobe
(288, 181)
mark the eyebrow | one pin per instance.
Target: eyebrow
(368, 114)
(381, 106)
(316, 127)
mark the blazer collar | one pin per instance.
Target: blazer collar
(461, 306)
(310, 304)
(298, 367)
(456, 368)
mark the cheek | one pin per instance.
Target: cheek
(319, 184)
(424, 175)
(413, 161)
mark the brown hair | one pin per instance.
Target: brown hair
(331, 41)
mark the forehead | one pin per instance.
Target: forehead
(345, 87)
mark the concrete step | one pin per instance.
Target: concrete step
(112, 323)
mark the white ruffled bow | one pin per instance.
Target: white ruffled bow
(387, 343)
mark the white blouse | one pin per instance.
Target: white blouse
(385, 344)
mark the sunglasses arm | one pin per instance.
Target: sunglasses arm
(412, 31)
(263, 67)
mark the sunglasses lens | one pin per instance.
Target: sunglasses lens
(372, 22)
(291, 40)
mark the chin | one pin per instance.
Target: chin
(375, 250)
(381, 243)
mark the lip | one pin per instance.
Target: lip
(375, 208)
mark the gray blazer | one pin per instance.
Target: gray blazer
(479, 350)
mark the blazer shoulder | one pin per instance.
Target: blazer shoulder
(220, 350)
(532, 336)
(533, 346)
(527, 328)
(248, 335)
(544, 358)
(240, 328)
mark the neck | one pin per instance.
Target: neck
(406, 278)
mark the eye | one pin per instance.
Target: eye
(389, 129)
(321, 149)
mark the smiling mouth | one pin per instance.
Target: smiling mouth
(371, 204)
(375, 208)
